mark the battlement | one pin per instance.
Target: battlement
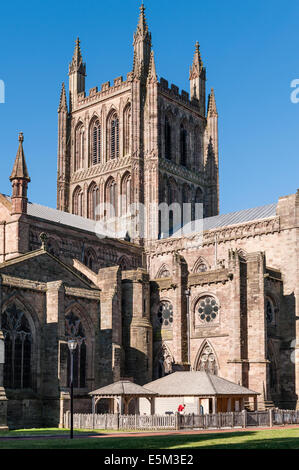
(174, 92)
(106, 89)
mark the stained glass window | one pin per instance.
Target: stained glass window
(165, 314)
(208, 310)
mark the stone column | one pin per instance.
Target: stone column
(3, 399)
(137, 326)
(180, 280)
(53, 329)
(256, 324)
(109, 352)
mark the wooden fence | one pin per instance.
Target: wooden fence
(242, 419)
(115, 421)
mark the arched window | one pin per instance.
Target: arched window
(78, 201)
(167, 136)
(18, 343)
(165, 315)
(113, 136)
(197, 163)
(110, 198)
(197, 207)
(93, 201)
(88, 259)
(186, 205)
(96, 142)
(126, 193)
(183, 146)
(127, 129)
(174, 218)
(163, 272)
(270, 311)
(124, 263)
(206, 361)
(163, 363)
(79, 147)
(74, 330)
(200, 266)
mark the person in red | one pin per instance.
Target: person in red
(181, 408)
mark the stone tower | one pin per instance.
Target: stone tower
(137, 144)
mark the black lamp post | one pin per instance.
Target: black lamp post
(188, 293)
(72, 344)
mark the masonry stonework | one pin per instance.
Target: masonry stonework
(145, 303)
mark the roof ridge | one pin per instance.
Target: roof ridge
(213, 387)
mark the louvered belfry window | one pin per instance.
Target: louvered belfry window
(114, 137)
(96, 143)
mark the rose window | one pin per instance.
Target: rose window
(165, 314)
(208, 310)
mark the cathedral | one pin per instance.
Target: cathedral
(142, 297)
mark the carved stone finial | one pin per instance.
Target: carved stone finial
(44, 238)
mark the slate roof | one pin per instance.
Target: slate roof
(209, 223)
(123, 387)
(234, 218)
(196, 384)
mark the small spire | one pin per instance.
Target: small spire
(142, 20)
(197, 64)
(212, 109)
(20, 168)
(62, 101)
(152, 74)
(77, 52)
(142, 31)
(77, 64)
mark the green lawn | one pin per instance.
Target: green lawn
(269, 439)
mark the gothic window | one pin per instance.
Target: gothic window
(207, 311)
(197, 150)
(114, 136)
(183, 146)
(167, 137)
(78, 201)
(127, 129)
(186, 205)
(197, 208)
(79, 147)
(165, 315)
(110, 198)
(123, 263)
(207, 361)
(200, 266)
(74, 330)
(270, 311)
(126, 193)
(88, 260)
(174, 218)
(163, 272)
(93, 201)
(163, 363)
(18, 344)
(96, 142)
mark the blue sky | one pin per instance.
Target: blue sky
(250, 49)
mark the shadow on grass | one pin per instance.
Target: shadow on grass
(275, 439)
